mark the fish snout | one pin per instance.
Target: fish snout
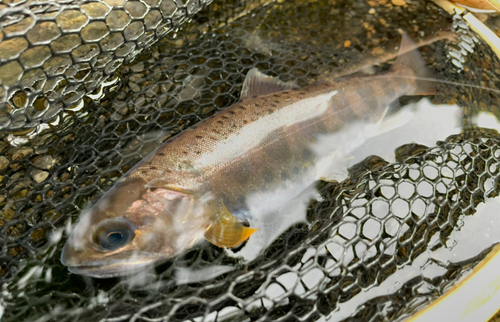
(68, 255)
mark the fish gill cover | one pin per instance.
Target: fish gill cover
(88, 91)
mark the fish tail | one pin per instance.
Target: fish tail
(411, 65)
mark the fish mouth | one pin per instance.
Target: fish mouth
(111, 268)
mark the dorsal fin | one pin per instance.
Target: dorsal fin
(258, 84)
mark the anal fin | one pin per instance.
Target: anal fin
(394, 121)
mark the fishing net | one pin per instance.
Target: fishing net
(89, 88)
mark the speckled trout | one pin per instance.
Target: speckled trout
(245, 161)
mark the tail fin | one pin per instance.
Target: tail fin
(411, 62)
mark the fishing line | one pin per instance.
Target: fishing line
(447, 82)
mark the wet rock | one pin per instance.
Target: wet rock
(37, 234)
(21, 153)
(4, 162)
(39, 175)
(371, 163)
(408, 150)
(378, 51)
(3, 145)
(44, 163)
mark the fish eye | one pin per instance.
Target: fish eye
(114, 238)
(113, 234)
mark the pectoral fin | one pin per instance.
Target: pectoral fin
(227, 231)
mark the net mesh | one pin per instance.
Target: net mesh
(88, 92)
(55, 53)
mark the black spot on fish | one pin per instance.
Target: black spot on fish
(279, 150)
(198, 152)
(242, 107)
(270, 111)
(268, 176)
(307, 154)
(244, 173)
(215, 131)
(341, 98)
(276, 95)
(161, 154)
(185, 152)
(199, 137)
(220, 122)
(296, 170)
(257, 105)
(340, 104)
(231, 112)
(225, 199)
(368, 98)
(245, 121)
(153, 168)
(255, 96)
(389, 91)
(241, 201)
(366, 92)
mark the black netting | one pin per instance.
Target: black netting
(87, 93)
(54, 54)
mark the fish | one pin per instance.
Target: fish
(210, 181)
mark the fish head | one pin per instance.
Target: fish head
(131, 227)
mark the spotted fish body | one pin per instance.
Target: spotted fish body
(264, 143)
(241, 163)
